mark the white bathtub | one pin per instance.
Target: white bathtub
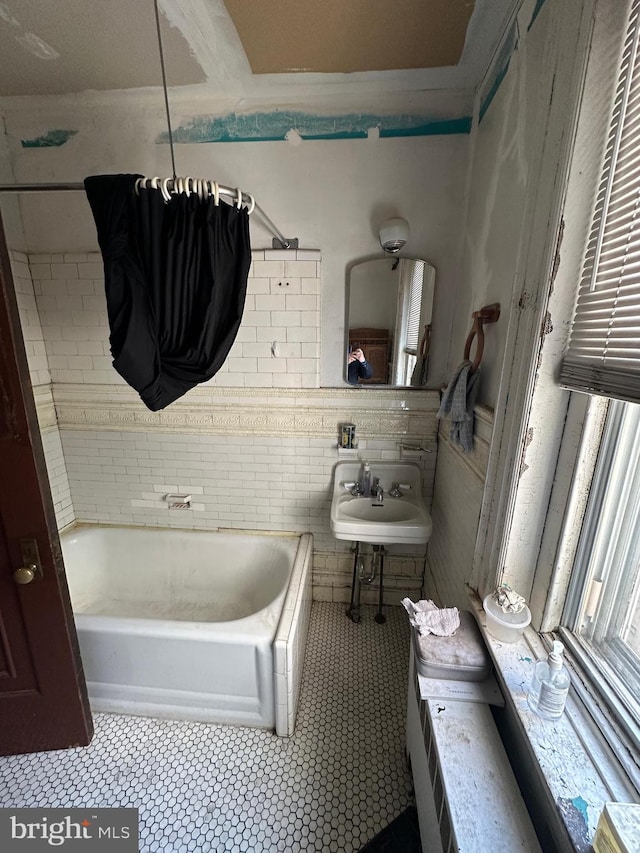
(191, 624)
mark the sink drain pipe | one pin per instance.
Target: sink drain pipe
(360, 577)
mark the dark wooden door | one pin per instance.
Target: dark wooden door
(43, 701)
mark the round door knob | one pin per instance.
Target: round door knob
(25, 575)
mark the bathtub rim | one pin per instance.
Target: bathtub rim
(285, 534)
(239, 629)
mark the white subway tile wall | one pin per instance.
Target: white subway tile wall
(264, 480)
(40, 381)
(257, 482)
(58, 479)
(272, 483)
(30, 320)
(277, 345)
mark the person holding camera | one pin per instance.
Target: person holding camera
(358, 367)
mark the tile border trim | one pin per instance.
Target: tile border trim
(313, 413)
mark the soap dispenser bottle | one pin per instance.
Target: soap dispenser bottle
(366, 480)
(550, 685)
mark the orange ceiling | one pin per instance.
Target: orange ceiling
(282, 36)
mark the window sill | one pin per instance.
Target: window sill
(578, 771)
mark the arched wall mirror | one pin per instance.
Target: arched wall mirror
(389, 308)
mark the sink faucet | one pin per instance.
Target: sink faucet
(377, 490)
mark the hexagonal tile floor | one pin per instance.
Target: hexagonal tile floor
(331, 787)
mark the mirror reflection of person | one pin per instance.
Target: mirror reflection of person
(358, 367)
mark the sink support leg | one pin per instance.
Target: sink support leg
(380, 617)
(353, 611)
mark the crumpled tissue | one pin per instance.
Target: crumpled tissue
(508, 599)
(429, 619)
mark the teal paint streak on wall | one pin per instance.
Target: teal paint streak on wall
(536, 12)
(272, 127)
(499, 70)
(433, 128)
(52, 139)
(493, 91)
(502, 63)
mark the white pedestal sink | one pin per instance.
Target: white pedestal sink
(394, 521)
(390, 519)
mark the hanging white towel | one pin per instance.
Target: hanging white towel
(458, 402)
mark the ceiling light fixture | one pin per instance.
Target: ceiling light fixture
(394, 233)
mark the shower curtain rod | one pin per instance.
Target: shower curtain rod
(279, 241)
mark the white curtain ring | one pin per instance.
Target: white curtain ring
(154, 183)
(187, 188)
(166, 195)
(216, 194)
(136, 186)
(238, 198)
(251, 207)
(178, 185)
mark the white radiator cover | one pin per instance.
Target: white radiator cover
(467, 797)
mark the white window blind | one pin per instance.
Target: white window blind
(603, 355)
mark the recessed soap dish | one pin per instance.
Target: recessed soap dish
(178, 501)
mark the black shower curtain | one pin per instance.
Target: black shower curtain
(175, 281)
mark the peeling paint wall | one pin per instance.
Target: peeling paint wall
(543, 490)
(509, 142)
(333, 195)
(275, 125)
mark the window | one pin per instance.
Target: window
(604, 348)
(602, 609)
(601, 618)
